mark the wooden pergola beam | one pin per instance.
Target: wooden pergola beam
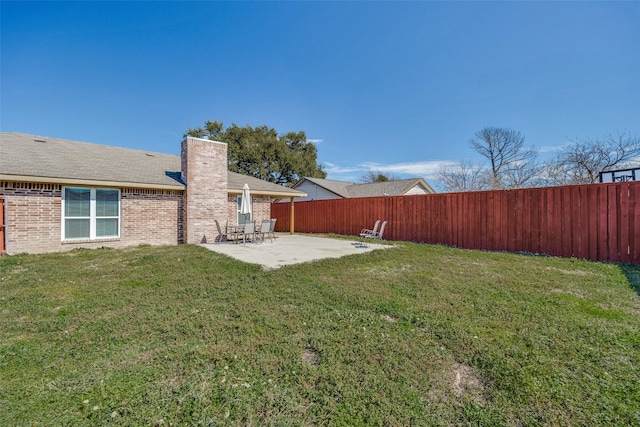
(291, 217)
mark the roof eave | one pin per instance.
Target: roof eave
(88, 182)
(269, 193)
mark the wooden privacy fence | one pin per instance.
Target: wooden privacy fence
(600, 222)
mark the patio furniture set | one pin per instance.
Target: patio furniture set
(250, 231)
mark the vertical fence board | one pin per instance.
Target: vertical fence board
(466, 237)
(427, 218)
(623, 220)
(484, 233)
(574, 220)
(583, 221)
(491, 217)
(509, 221)
(544, 228)
(602, 206)
(455, 232)
(525, 224)
(592, 210)
(534, 221)
(518, 223)
(634, 222)
(478, 219)
(424, 213)
(612, 219)
(565, 218)
(501, 232)
(556, 221)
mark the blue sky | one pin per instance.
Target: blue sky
(394, 86)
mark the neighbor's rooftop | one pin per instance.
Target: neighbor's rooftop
(352, 189)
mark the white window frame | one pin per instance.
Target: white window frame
(92, 215)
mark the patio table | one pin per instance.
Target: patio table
(234, 230)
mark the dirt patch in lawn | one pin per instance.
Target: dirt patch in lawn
(311, 356)
(389, 319)
(466, 383)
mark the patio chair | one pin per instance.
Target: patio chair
(379, 234)
(272, 233)
(249, 230)
(366, 232)
(221, 237)
(265, 226)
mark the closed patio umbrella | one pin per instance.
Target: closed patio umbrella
(245, 206)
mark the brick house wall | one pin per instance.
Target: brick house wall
(261, 208)
(34, 218)
(152, 217)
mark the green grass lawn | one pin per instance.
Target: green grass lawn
(414, 335)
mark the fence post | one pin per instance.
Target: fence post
(291, 216)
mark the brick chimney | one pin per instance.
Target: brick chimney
(204, 170)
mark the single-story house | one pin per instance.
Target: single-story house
(323, 189)
(60, 194)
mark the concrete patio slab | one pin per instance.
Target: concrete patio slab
(289, 249)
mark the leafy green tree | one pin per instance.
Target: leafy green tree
(263, 153)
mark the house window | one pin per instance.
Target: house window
(90, 213)
(243, 218)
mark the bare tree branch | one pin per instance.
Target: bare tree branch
(582, 161)
(511, 163)
(464, 176)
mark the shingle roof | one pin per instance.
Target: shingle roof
(46, 159)
(388, 188)
(235, 182)
(341, 188)
(352, 190)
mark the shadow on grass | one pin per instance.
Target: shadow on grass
(632, 272)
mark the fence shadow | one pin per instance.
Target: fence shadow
(632, 272)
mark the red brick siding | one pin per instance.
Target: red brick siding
(261, 208)
(34, 215)
(151, 216)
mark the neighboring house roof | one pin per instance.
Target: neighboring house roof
(340, 188)
(346, 189)
(388, 188)
(34, 158)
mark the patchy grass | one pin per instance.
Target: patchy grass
(414, 335)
